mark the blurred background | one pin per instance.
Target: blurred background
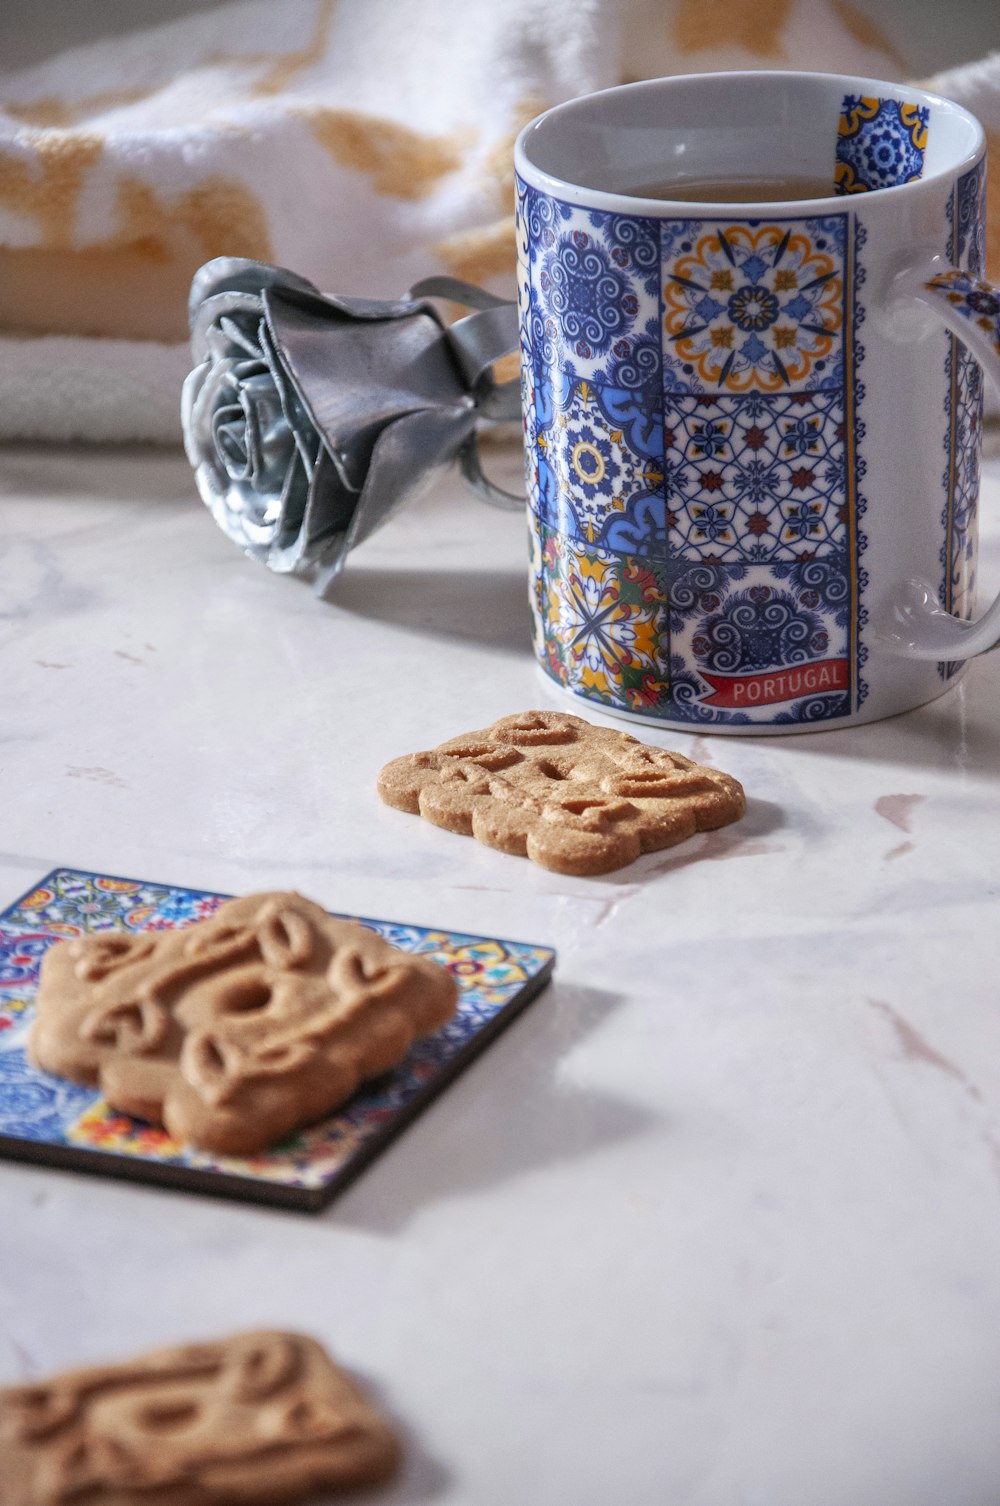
(362, 143)
(930, 34)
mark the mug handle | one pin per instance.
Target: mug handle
(970, 309)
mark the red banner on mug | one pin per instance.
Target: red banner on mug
(773, 685)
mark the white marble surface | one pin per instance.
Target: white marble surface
(717, 1221)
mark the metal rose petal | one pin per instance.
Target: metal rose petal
(309, 419)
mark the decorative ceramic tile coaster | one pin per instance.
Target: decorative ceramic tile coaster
(51, 1120)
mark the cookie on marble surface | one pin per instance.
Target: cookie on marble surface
(255, 1420)
(235, 1031)
(572, 797)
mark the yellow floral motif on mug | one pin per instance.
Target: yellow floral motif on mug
(603, 634)
(865, 108)
(754, 309)
(588, 463)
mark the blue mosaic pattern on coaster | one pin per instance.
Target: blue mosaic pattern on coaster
(880, 143)
(20, 958)
(40, 1110)
(754, 306)
(37, 1106)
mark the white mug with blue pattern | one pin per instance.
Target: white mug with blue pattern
(753, 430)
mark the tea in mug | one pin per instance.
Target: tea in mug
(734, 190)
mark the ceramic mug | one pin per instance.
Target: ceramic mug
(753, 428)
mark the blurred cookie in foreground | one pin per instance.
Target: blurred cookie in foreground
(573, 797)
(238, 1030)
(260, 1419)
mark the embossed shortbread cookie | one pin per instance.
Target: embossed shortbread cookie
(237, 1030)
(573, 797)
(256, 1420)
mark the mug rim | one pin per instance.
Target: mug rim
(622, 203)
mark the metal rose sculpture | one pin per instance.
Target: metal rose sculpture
(309, 419)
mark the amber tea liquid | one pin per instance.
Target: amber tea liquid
(734, 190)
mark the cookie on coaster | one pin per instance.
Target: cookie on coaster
(255, 1420)
(233, 1032)
(572, 797)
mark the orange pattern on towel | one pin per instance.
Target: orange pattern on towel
(134, 282)
(869, 33)
(401, 162)
(47, 185)
(479, 255)
(54, 110)
(490, 251)
(282, 69)
(221, 217)
(704, 25)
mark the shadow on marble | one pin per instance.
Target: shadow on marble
(510, 1113)
(750, 837)
(960, 732)
(421, 1478)
(486, 607)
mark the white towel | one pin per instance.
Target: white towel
(362, 143)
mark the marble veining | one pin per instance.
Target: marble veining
(898, 809)
(915, 1048)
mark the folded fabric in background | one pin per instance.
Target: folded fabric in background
(363, 143)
